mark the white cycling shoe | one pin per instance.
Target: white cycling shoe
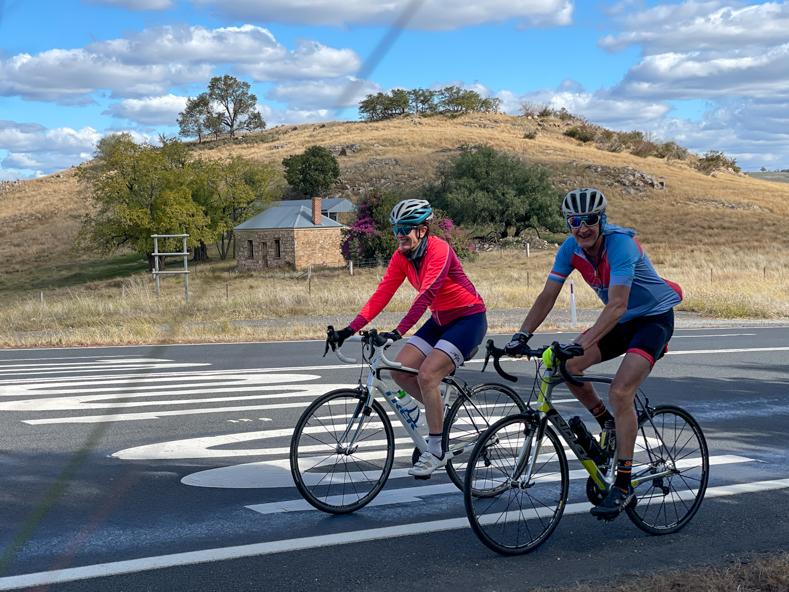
(427, 464)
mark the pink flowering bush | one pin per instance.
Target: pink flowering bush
(371, 236)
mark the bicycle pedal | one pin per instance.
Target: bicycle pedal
(422, 477)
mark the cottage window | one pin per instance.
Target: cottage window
(277, 248)
(250, 249)
(333, 216)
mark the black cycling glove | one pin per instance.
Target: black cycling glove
(394, 335)
(340, 336)
(519, 343)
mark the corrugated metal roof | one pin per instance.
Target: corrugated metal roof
(286, 216)
(335, 205)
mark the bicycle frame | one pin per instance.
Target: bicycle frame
(375, 384)
(548, 413)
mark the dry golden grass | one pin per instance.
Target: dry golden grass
(36, 224)
(127, 311)
(758, 573)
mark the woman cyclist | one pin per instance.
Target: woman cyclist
(458, 323)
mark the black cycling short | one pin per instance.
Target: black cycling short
(645, 336)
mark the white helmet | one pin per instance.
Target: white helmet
(411, 211)
(580, 202)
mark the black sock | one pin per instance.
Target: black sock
(624, 467)
(601, 413)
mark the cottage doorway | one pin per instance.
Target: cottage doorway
(264, 254)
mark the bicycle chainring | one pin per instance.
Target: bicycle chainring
(593, 493)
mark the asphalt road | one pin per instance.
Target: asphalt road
(165, 468)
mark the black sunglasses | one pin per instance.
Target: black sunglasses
(588, 219)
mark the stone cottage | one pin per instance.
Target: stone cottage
(295, 233)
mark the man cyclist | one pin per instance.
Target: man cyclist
(637, 321)
(458, 323)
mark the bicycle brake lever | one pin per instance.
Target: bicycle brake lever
(485, 365)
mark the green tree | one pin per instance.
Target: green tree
(487, 190)
(422, 100)
(139, 190)
(231, 192)
(192, 121)
(236, 107)
(313, 172)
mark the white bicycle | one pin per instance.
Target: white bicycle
(343, 448)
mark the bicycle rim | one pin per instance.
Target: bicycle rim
(471, 414)
(672, 442)
(515, 517)
(330, 475)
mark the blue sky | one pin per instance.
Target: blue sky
(709, 74)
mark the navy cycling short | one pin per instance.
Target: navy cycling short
(457, 338)
(645, 336)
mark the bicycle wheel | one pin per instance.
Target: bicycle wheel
(473, 412)
(516, 516)
(330, 475)
(672, 447)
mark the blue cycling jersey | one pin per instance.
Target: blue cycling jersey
(623, 263)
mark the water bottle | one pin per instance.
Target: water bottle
(405, 403)
(585, 439)
(608, 438)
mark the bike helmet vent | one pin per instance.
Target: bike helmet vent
(583, 201)
(411, 211)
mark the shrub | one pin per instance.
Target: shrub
(530, 135)
(715, 159)
(642, 148)
(669, 150)
(545, 112)
(582, 134)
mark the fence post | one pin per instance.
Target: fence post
(710, 274)
(528, 250)
(227, 290)
(309, 279)
(350, 266)
(528, 279)
(41, 297)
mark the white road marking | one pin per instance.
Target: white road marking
(721, 335)
(48, 578)
(406, 495)
(121, 400)
(105, 368)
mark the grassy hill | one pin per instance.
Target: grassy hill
(725, 220)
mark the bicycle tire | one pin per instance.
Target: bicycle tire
(673, 439)
(334, 482)
(518, 517)
(474, 411)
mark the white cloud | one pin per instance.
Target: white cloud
(32, 147)
(31, 137)
(135, 4)
(153, 61)
(275, 117)
(696, 25)
(432, 15)
(150, 110)
(317, 94)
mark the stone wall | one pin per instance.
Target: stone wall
(265, 256)
(320, 246)
(299, 248)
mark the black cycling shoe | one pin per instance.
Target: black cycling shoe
(613, 504)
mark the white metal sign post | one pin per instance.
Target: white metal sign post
(156, 254)
(572, 304)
